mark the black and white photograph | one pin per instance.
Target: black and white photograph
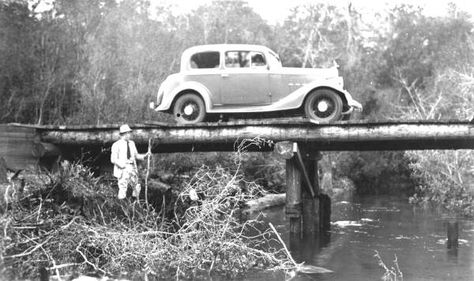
(246, 140)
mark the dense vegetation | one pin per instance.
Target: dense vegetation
(92, 62)
(95, 62)
(70, 222)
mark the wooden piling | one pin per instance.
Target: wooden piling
(310, 219)
(293, 195)
(302, 186)
(453, 234)
(324, 212)
(310, 201)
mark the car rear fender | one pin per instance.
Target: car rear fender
(187, 87)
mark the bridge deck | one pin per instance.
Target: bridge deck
(359, 135)
(23, 145)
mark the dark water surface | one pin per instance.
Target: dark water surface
(389, 225)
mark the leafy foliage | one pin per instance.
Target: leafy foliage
(92, 62)
(376, 172)
(446, 177)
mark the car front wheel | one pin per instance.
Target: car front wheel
(189, 109)
(323, 106)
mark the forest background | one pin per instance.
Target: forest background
(96, 62)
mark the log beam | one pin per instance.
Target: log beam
(328, 137)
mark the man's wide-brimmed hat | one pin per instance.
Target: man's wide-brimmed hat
(124, 129)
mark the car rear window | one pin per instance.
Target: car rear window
(205, 60)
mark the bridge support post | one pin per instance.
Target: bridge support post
(310, 198)
(293, 195)
(302, 186)
(324, 213)
(453, 234)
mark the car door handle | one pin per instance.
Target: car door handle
(224, 75)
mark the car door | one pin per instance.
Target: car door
(204, 68)
(244, 79)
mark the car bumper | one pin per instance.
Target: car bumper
(355, 105)
(158, 107)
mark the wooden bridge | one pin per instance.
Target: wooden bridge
(408, 135)
(298, 141)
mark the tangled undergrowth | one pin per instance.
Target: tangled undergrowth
(391, 274)
(445, 178)
(71, 223)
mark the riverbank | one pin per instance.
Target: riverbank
(70, 222)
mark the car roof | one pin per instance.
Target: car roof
(224, 47)
(218, 48)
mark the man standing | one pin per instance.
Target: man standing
(124, 155)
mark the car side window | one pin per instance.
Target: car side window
(205, 60)
(243, 59)
(258, 59)
(237, 59)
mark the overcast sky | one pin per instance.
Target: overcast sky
(277, 10)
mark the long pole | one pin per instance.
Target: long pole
(147, 172)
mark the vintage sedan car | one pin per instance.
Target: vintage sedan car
(249, 80)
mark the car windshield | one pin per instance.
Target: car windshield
(275, 59)
(205, 60)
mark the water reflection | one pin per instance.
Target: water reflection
(305, 248)
(416, 236)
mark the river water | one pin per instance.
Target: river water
(389, 225)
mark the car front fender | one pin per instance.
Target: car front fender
(189, 86)
(334, 85)
(296, 98)
(329, 84)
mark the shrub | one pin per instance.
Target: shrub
(72, 222)
(444, 177)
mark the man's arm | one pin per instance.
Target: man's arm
(138, 156)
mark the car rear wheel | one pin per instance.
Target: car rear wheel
(323, 106)
(189, 109)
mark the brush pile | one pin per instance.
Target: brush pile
(71, 223)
